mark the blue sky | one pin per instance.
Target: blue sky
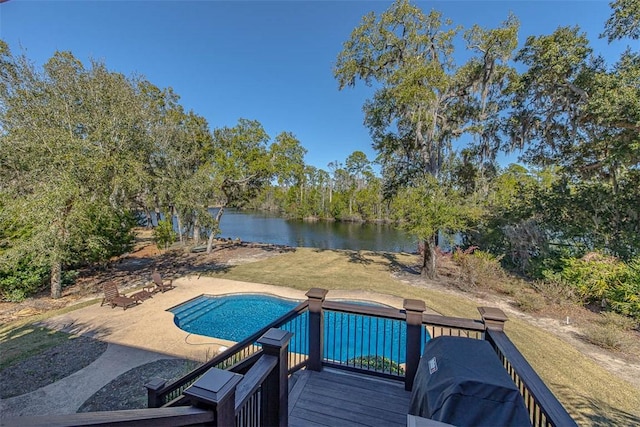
(263, 60)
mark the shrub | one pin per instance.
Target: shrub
(164, 235)
(530, 301)
(478, 269)
(598, 278)
(376, 363)
(617, 321)
(555, 290)
(605, 337)
(592, 275)
(24, 280)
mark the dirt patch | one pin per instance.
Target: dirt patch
(133, 270)
(128, 392)
(49, 366)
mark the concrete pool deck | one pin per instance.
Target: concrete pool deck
(143, 334)
(149, 326)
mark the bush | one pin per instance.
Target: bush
(602, 279)
(479, 269)
(530, 301)
(164, 235)
(616, 321)
(605, 337)
(376, 363)
(555, 290)
(24, 280)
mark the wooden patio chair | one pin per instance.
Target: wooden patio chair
(162, 285)
(115, 298)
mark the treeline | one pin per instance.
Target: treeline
(349, 191)
(84, 149)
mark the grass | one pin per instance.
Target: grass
(22, 339)
(584, 387)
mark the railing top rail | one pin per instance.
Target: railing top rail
(233, 349)
(253, 379)
(556, 414)
(367, 310)
(398, 314)
(179, 416)
(453, 322)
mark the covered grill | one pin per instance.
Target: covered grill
(461, 381)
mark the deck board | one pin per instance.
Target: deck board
(332, 398)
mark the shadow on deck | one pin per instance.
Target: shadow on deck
(338, 398)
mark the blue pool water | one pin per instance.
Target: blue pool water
(231, 317)
(347, 336)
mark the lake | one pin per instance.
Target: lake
(261, 227)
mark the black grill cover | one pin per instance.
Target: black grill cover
(461, 381)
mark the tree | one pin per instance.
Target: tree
(571, 111)
(71, 143)
(423, 101)
(430, 208)
(288, 162)
(624, 21)
(242, 165)
(182, 168)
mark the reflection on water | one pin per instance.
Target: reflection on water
(266, 228)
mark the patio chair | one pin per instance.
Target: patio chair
(162, 285)
(115, 298)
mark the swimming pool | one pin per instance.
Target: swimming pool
(230, 317)
(347, 336)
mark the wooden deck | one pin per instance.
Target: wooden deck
(336, 398)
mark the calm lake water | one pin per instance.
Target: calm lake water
(267, 228)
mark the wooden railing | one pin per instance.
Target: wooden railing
(183, 416)
(544, 409)
(260, 397)
(251, 376)
(234, 359)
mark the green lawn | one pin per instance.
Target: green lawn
(590, 393)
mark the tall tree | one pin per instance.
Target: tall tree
(572, 111)
(242, 165)
(423, 101)
(70, 142)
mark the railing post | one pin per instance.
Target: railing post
(493, 318)
(154, 384)
(216, 391)
(316, 328)
(275, 389)
(414, 309)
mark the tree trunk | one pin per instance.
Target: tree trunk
(56, 280)
(212, 234)
(179, 227)
(196, 232)
(428, 268)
